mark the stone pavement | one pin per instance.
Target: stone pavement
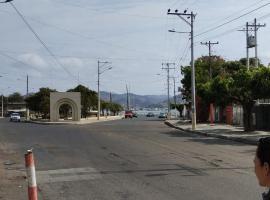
(83, 121)
(223, 131)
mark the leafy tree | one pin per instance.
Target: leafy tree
(201, 73)
(179, 107)
(89, 99)
(105, 106)
(115, 108)
(243, 87)
(40, 101)
(16, 97)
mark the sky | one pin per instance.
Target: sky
(131, 35)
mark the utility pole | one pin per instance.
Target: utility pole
(127, 98)
(99, 73)
(252, 27)
(110, 97)
(190, 16)
(2, 105)
(209, 44)
(27, 92)
(174, 92)
(256, 27)
(168, 68)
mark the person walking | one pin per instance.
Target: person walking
(262, 165)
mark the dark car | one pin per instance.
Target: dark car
(162, 115)
(150, 114)
(135, 114)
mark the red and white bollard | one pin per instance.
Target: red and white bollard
(31, 175)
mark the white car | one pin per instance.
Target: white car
(15, 117)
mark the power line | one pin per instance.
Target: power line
(230, 30)
(237, 12)
(234, 19)
(40, 40)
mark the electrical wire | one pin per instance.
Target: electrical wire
(237, 12)
(41, 41)
(234, 19)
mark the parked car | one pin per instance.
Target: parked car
(150, 114)
(162, 115)
(15, 117)
(128, 114)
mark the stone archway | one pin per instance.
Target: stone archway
(57, 99)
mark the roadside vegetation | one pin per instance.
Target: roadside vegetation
(229, 82)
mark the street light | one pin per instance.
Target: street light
(174, 31)
(99, 73)
(188, 18)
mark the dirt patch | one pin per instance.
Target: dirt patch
(13, 184)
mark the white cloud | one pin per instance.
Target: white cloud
(71, 62)
(33, 60)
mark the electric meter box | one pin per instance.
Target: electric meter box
(251, 41)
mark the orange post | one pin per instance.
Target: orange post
(31, 175)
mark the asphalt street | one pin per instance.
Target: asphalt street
(125, 159)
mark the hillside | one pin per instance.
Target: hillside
(138, 101)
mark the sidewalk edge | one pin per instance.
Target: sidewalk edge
(236, 139)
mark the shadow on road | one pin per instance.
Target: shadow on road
(193, 137)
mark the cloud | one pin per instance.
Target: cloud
(71, 62)
(33, 60)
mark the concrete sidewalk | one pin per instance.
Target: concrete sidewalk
(222, 131)
(83, 121)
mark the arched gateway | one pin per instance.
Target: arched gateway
(57, 99)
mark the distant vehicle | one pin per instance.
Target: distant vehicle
(15, 117)
(150, 114)
(134, 114)
(162, 115)
(128, 114)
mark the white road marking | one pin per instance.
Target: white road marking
(65, 175)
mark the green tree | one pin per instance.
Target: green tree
(16, 97)
(115, 108)
(89, 99)
(40, 101)
(179, 107)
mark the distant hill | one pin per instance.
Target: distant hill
(138, 101)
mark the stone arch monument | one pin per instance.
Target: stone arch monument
(57, 99)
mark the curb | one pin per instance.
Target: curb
(235, 139)
(69, 123)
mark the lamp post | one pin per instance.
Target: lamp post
(99, 73)
(188, 18)
(6, 1)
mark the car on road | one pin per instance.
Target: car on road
(162, 116)
(15, 117)
(128, 114)
(135, 114)
(150, 114)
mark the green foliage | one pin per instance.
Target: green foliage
(16, 97)
(179, 107)
(40, 101)
(202, 73)
(89, 99)
(115, 108)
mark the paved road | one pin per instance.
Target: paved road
(127, 159)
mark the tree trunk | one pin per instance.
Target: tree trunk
(248, 126)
